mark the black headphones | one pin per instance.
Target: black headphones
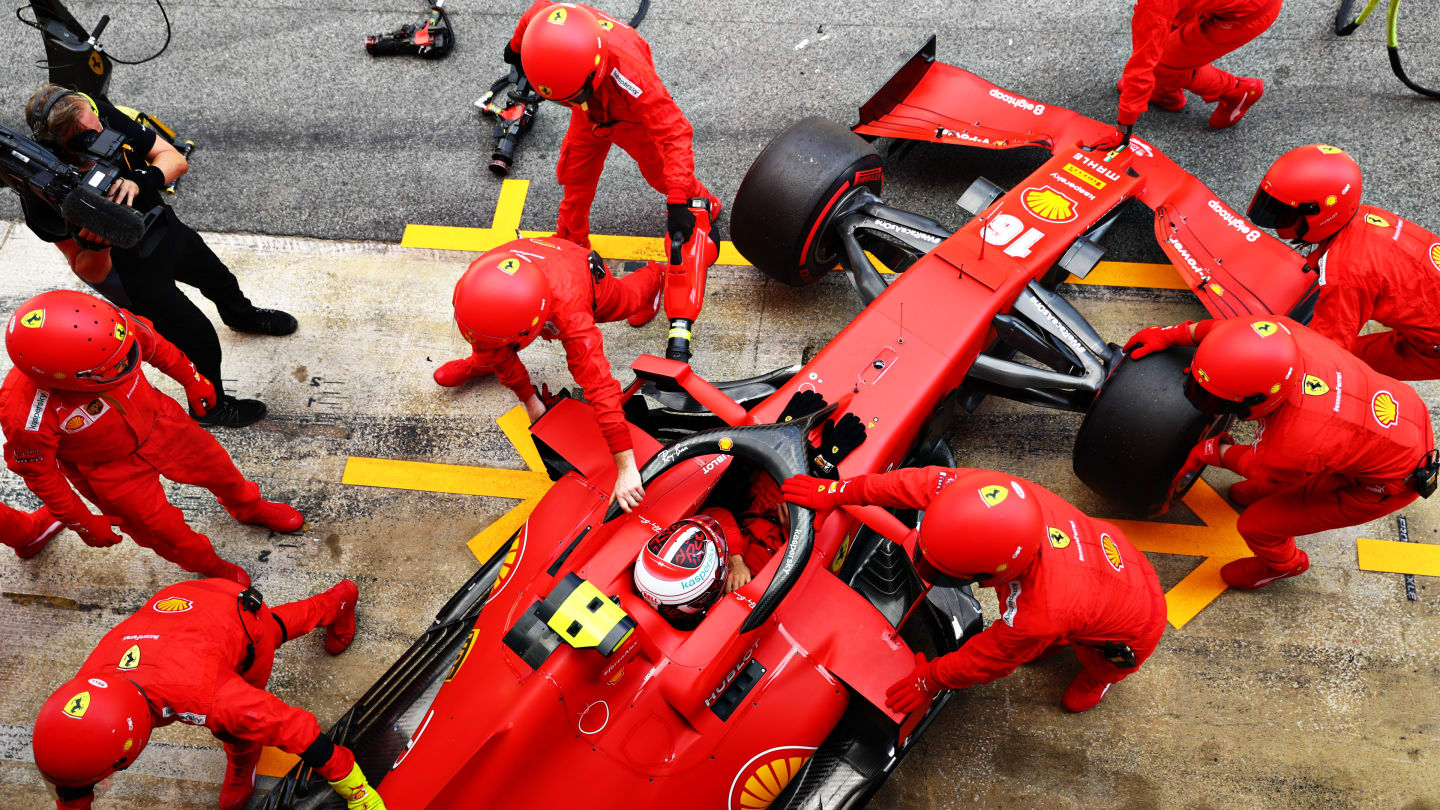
(251, 601)
(40, 127)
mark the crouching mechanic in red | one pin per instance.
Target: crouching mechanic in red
(27, 532)
(602, 70)
(1062, 578)
(1337, 443)
(554, 289)
(198, 652)
(78, 410)
(1373, 264)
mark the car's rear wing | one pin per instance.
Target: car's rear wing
(1232, 266)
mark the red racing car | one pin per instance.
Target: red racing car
(547, 681)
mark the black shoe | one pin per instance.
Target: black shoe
(232, 412)
(267, 322)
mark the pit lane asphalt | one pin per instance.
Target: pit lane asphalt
(1317, 692)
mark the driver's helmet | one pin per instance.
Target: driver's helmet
(681, 571)
(1309, 193)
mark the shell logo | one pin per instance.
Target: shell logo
(1316, 387)
(173, 604)
(1112, 552)
(1331, 200)
(1049, 204)
(77, 706)
(993, 495)
(74, 423)
(1058, 538)
(509, 266)
(1377, 221)
(1435, 255)
(512, 558)
(726, 443)
(1385, 409)
(760, 781)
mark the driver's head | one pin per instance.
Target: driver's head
(1245, 367)
(58, 116)
(1309, 194)
(985, 527)
(681, 571)
(563, 51)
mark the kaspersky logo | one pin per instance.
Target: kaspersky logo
(1048, 204)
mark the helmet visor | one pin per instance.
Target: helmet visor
(587, 88)
(939, 578)
(114, 371)
(1207, 402)
(1269, 212)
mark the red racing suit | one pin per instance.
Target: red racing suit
(579, 300)
(758, 528)
(1337, 452)
(185, 649)
(113, 446)
(1174, 42)
(1087, 587)
(1385, 268)
(631, 108)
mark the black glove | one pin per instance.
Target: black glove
(512, 56)
(679, 221)
(803, 403)
(837, 439)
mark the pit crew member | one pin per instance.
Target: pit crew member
(600, 68)
(143, 278)
(531, 288)
(1062, 578)
(1373, 264)
(1338, 444)
(27, 532)
(78, 410)
(198, 652)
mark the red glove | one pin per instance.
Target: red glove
(1159, 338)
(200, 394)
(95, 530)
(1106, 143)
(548, 399)
(915, 691)
(820, 494)
(1209, 451)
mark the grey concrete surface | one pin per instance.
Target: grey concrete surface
(1317, 692)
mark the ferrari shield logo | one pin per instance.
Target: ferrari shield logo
(1201, 375)
(993, 495)
(77, 706)
(509, 266)
(1112, 552)
(1325, 149)
(1315, 387)
(1058, 538)
(1385, 409)
(557, 17)
(97, 65)
(1377, 221)
(1049, 204)
(119, 331)
(544, 90)
(607, 25)
(130, 660)
(34, 319)
(1264, 328)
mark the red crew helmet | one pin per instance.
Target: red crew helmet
(1308, 194)
(681, 571)
(1243, 366)
(985, 527)
(89, 729)
(563, 51)
(72, 341)
(502, 300)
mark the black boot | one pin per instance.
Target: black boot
(266, 322)
(232, 412)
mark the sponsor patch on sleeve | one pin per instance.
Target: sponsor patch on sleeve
(625, 84)
(37, 411)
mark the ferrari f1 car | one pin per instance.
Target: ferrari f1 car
(547, 681)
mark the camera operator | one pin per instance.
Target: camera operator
(143, 278)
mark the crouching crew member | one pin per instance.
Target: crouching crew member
(1061, 577)
(1337, 443)
(27, 532)
(554, 289)
(198, 652)
(1373, 264)
(78, 410)
(602, 70)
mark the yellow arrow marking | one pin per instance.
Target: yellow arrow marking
(506, 223)
(1398, 558)
(1218, 541)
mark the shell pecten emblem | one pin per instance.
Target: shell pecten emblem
(761, 780)
(1435, 255)
(1112, 552)
(1385, 409)
(173, 604)
(1048, 204)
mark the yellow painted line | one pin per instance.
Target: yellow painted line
(1398, 558)
(511, 205)
(516, 425)
(454, 479)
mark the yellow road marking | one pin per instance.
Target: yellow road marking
(1218, 541)
(511, 205)
(1398, 558)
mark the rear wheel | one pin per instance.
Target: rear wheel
(788, 197)
(1139, 431)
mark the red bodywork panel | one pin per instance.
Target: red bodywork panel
(1232, 266)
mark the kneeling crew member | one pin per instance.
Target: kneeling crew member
(198, 652)
(1062, 578)
(77, 410)
(554, 289)
(27, 532)
(1373, 264)
(1338, 444)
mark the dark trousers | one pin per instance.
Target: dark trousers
(149, 282)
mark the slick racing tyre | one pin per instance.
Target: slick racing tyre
(1139, 431)
(781, 217)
